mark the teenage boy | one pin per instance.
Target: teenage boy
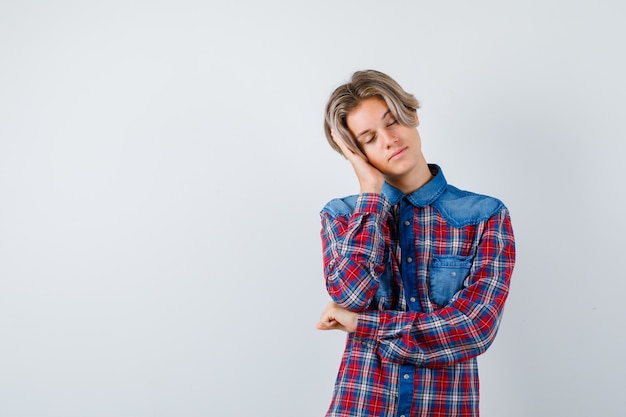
(418, 270)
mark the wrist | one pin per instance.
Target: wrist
(354, 324)
(371, 188)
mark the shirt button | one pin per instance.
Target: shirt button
(453, 273)
(402, 415)
(412, 299)
(407, 223)
(406, 376)
(409, 259)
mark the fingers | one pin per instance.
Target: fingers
(339, 142)
(352, 156)
(327, 319)
(370, 178)
(329, 325)
(336, 317)
(347, 152)
(327, 315)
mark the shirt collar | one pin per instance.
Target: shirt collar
(423, 196)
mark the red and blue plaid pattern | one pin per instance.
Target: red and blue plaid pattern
(409, 355)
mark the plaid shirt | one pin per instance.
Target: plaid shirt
(429, 274)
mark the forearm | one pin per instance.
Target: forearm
(442, 338)
(462, 329)
(353, 246)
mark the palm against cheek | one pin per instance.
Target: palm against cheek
(370, 178)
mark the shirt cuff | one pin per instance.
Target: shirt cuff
(372, 203)
(367, 325)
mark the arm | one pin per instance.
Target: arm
(464, 328)
(353, 246)
(353, 241)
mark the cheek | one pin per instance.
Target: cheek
(374, 159)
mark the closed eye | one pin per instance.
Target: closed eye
(370, 139)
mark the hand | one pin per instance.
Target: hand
(336, 317)
(370, 179)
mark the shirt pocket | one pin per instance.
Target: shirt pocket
(447, 273)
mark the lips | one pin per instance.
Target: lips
(397, 153)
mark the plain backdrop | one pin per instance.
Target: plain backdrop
(162, 168)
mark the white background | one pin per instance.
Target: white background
(162, 166)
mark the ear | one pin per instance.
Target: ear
(417, 119)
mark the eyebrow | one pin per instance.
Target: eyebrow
(367, 130)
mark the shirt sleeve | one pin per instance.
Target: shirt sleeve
(464, 328)
(353, 246)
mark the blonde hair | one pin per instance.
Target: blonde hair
(363, 85)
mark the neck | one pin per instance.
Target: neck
(419, 176)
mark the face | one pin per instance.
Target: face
(392, 148)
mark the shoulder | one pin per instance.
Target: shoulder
(365, 203)
(343, 206)
(462, 208)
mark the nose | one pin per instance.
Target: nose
(388, 138)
